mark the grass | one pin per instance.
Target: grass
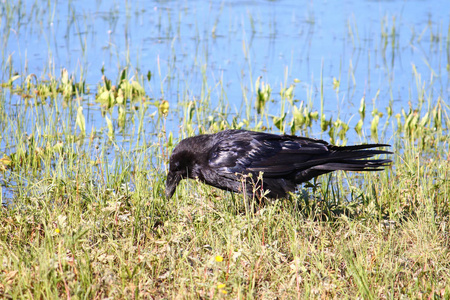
(123, 244)
(85, 223)
(83, 164)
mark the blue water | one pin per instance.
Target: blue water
(370, 46)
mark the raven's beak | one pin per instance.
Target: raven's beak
(171, 184)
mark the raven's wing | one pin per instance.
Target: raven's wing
(272, 154)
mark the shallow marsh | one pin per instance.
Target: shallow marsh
(94, 95)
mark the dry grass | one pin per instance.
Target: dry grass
(84, 241)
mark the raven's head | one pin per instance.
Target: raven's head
(174, 177)
(181, 166)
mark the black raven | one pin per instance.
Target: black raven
(233, 159)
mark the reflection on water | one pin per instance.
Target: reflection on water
(368, 45)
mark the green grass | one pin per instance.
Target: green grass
(82, 223)
(75, 237)
(83, 166)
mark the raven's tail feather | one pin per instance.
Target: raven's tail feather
(355, 165)
(348, 159)
(358, 147)
(354, 158)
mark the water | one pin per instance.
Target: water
(181, 42)
(394, 53)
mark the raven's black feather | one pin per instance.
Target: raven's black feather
(285, 161)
